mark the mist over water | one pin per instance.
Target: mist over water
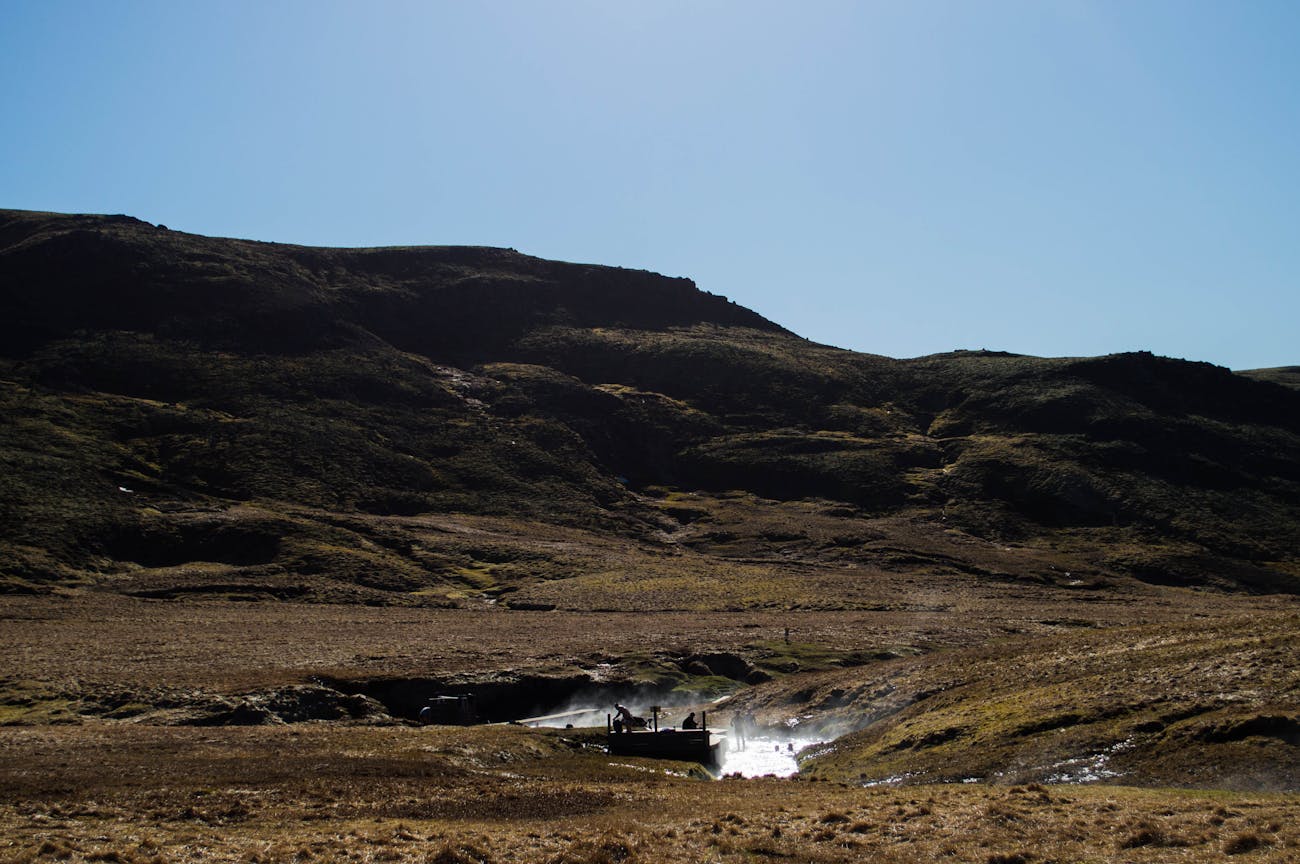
(583, 711)
(580, 718)
(772, 754)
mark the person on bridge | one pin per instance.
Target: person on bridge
(690, 722)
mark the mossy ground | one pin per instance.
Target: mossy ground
(30, 702)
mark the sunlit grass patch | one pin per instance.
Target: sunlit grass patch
(25, 702)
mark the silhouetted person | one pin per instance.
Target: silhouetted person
(690, 722)
(623, 719)
(738, 725)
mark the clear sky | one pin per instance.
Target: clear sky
(1051, 177)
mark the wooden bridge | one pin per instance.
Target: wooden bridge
(689, 745)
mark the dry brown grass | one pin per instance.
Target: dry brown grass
(108, 640)
(1205, 703)
(109, 792)
(75, 787)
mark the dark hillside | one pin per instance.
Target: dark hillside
(449, 303)
(184, 413)
(1286, 375)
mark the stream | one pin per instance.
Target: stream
(763, 756)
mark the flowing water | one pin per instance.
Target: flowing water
(763, 756)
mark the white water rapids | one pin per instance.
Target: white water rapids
(764, 756)
(761, 755)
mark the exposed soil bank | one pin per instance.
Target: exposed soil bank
(502, 701)
(660, 679)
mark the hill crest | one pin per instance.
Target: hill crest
(278, 414)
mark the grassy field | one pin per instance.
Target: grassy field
(138, 793)
(83, 645)
(103, 755)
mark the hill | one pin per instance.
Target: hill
(1285, 375)
(190, 414)
(1191, 704)
(995, 567)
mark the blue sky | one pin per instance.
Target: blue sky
(1054, 177)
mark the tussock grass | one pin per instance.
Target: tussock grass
(497, 794)
(1208, 703)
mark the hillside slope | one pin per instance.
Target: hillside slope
(1288, 376)
(185, 414)
(1212, 702)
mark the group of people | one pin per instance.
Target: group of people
(742, 724)
(626, 721)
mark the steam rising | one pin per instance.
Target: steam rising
(770, 752)
(590, 708)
